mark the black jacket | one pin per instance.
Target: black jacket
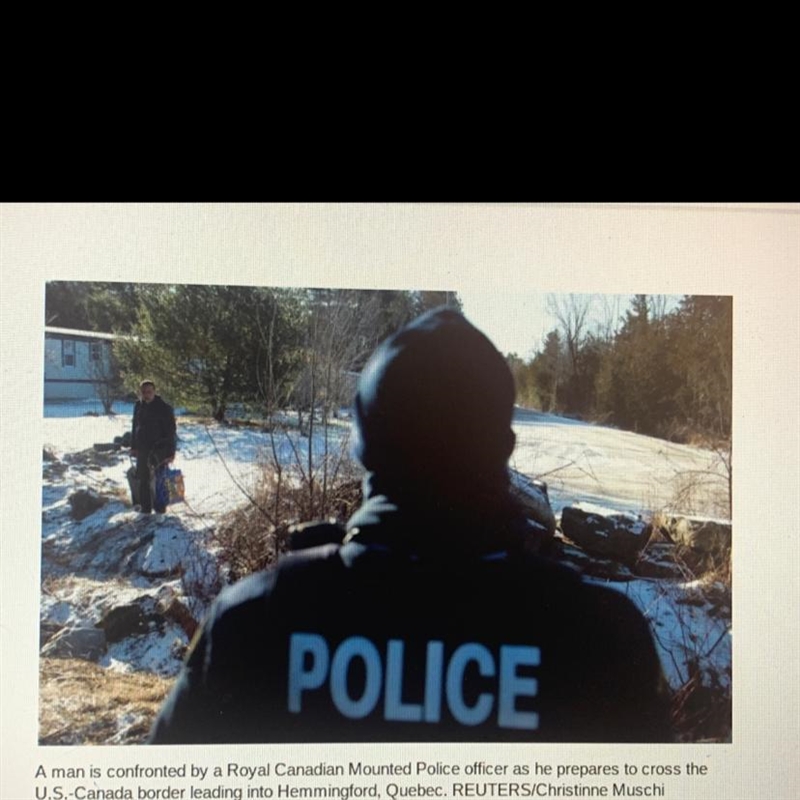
(154, 428)
(380, 640)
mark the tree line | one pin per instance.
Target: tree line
(210, 348)
(656, 370)
(651, 367)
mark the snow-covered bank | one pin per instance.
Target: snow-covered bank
(115, 556)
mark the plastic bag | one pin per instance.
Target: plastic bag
(170, 487)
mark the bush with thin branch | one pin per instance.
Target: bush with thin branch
(253, 536)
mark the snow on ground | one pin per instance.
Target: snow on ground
(581, 462)
(92, 565)
(686, 629)
(155, 651)
(116, 556)
(618, 469)
(221, 464)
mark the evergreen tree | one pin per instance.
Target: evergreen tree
(112, 307)
(549, 366)
(205, 345)
(631, 385)
(91, 305)
(527, 394)
(702, 357)
(65, 304)
(661, 372)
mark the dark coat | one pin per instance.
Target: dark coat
(373, 640)
(154, 429)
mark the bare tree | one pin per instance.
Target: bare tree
(658, 306)
(609, 308)
(572, 312)
(341, 332)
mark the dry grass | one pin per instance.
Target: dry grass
(82, 703)
(701, 709)
(712, 568)
(700, 712)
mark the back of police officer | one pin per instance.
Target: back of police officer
(426, 619)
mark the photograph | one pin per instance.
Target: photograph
(345, 515)
(399, 500)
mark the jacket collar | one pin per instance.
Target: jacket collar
(465, 528)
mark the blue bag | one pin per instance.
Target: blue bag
(170, 487)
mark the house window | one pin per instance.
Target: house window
(96, 351)
(67, 352)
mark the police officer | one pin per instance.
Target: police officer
(427, 618)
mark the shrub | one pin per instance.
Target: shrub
(252, 537)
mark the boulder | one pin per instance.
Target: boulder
(582, 562)
(132, 619)
(47, 630)
(124, 621)
(607, 570)
(124, 440)
(703, 545)
(538, 539)
(620, 537)
(660, 560)
(94, 458)
(705, 535)
(532, 496)
(178, 613)
(85, 502)
(86, 643)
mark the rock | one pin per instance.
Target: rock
(608, 570)
(178, 613)
(124, 621)
(568, 554)
(560, 550)
(659, 560)
(704, 535)
(48, 455)
(532, 495)
(47, 630)
(124, 440)
(619, 537)
(538, 539)
(54, 469)
(178, 650)
(702, 545)
(133, 619)
(86, 643)
(104, 447)
(94, 458)
(85, 502)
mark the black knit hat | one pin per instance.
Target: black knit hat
(435, 402)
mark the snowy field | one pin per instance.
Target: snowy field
(89, 566)
(616, 469)
(580, 462)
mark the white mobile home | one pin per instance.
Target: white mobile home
(76, 363)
